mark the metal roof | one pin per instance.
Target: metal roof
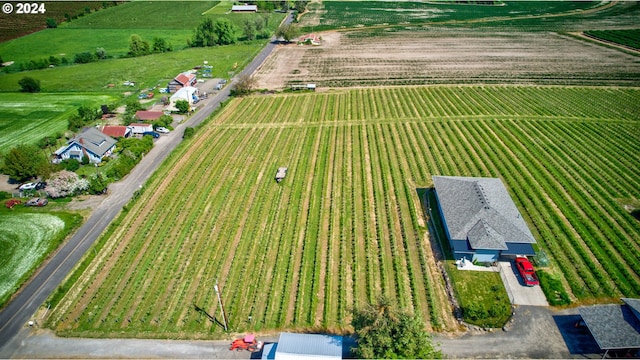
(292, 345)
(481, 211)
(614, 326)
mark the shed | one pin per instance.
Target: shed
(480, 219)
(144, 115)
(304, 346)
(244, 8)
(615, 327)
(281, 173)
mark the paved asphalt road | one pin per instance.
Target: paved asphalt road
(20, 310)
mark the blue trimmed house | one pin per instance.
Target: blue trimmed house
(91, 143)
(480, 219)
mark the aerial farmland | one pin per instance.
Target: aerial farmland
(544, 98)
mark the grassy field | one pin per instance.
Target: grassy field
(346, 225)
(111, 28)
(145, 71)
(26, 238)
(27, 118)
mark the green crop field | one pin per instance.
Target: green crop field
(27, 118)
(346, 224)
(630, 38)
(26, 238)
(338, 14)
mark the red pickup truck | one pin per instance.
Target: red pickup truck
(526, 271)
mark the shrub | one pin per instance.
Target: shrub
(553, 289)
(65, 183)
(70, 164)
(30, 85)
(188, 133)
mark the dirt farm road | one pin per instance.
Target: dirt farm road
(23, 307)
(535, 332)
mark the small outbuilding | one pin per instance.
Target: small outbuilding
(304, 346)
(281, 173)
(144, 115)
(244, 8)
(616, 328)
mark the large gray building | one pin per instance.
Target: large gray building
(481, 221)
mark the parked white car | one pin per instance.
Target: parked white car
(162, 130)
(28, 186)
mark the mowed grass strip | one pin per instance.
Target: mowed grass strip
(215, 211)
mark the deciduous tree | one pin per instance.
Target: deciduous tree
(137, 46)
(287, 32)
(385, 332)
(225, 31)
(182, 106)
(25, 162)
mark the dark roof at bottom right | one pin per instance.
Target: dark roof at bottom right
(614, 326)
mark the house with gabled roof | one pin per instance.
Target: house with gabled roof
(616, 328)
(182, 80)
(90, 143)
(481, 220)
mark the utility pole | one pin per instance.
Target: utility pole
(224, 318)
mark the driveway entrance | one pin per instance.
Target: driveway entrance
(519, 294)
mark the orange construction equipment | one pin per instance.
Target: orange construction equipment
(248, 343)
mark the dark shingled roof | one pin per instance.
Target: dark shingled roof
(614, 326)
(481, 211)
(95, 141)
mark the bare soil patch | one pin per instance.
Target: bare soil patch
(360, 58)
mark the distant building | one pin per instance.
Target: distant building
(310, 39)
(144, 115)
(481, 221)
(91, 143)
(304, 346)
(244, 8)
(182, 80)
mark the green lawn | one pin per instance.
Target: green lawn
(26, 238)
(27, 118)
(145, 71)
